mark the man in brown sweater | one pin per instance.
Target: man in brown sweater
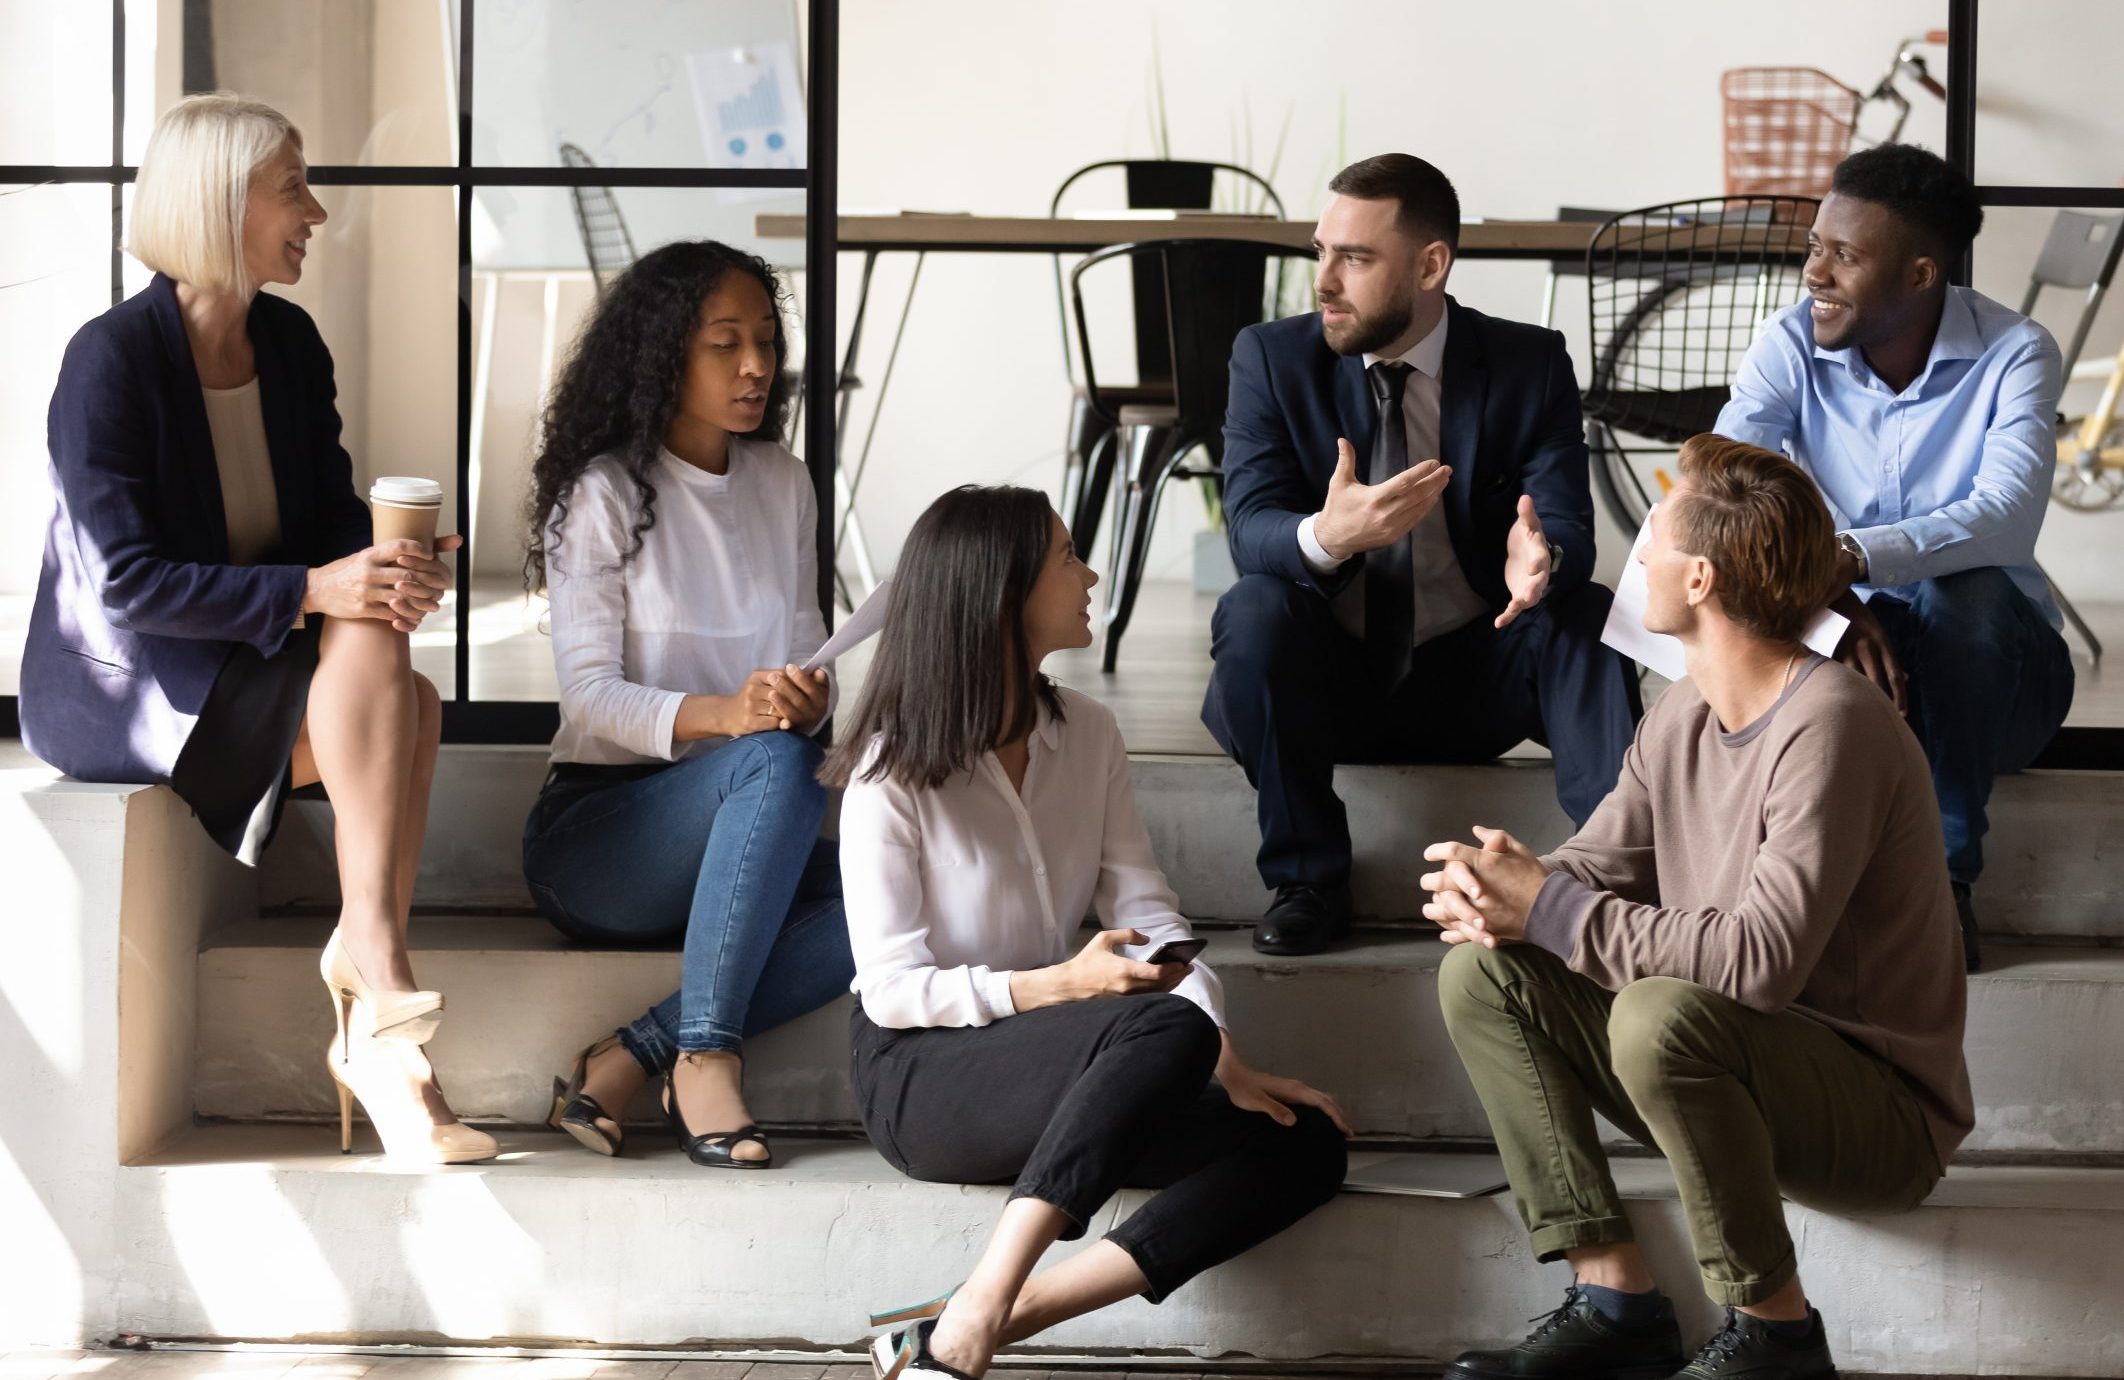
(1748, 958)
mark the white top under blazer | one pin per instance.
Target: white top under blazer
(726, 583)
(949, 891)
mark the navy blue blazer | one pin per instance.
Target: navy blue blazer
(1508, 424)
(137, 607)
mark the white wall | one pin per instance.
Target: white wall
(953, 104)
(1526, 104)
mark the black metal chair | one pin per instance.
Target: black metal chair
(606, 242)
(1211, 289)
(1149, 184)
(1676, 295)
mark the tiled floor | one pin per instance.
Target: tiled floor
(267, 1365)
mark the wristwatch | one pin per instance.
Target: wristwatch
(1848, 544)
(1555, 559)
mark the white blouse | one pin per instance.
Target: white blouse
(726, 583)
(948, 891)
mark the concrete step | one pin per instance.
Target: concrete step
(1362, 1021)
(2053, 863)
(268, 1232)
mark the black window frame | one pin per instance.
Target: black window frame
(466, 720)
(2090, 747)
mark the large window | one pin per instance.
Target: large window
(482, 162)
(2028, 119)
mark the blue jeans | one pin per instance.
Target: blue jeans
(722, 848)
(1990, 681)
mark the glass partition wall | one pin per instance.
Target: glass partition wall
(480, 162)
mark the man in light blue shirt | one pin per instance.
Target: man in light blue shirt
(1927, 414)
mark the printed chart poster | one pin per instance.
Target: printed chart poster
(751, 106)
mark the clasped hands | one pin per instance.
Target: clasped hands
(790, 698)
(1482, 895)
(395, 582)
(1359, 517)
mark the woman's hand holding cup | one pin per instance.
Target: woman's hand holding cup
(395, 581)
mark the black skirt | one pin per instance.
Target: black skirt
(234, 769)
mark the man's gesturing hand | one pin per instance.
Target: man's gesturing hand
(1527, 563)
(1364, 517)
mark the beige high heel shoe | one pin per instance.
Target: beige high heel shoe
(408, 1016)
(382, 1074)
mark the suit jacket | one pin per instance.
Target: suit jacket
(1508, 424)
(137, 607)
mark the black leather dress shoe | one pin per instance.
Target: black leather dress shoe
(1304, 919)
(1748, 1349)
(1579, 1342)
(1971, 954)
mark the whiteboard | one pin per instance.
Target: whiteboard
(615, 78)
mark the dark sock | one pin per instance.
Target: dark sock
(1631, 1310)
(1789, 1329)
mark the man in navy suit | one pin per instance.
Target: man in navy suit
(1405, 489)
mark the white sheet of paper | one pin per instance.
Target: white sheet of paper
(861, 626)
(1626, 631)
(751, 107)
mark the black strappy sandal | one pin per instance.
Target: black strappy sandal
(711, 1149)
(579, 1114)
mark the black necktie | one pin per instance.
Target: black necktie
(1389, 587)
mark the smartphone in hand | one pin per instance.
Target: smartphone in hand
(1177, 951)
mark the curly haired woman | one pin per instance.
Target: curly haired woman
(676, 538)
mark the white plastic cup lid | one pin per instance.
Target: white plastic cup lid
(406, 491)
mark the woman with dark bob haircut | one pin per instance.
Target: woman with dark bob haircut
(987, 811)
(676, 538)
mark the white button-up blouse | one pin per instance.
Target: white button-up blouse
(949, 891)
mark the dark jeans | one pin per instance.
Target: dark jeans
(721, 848)
(1990, 681)
(1071, 1102)
(1289, 698)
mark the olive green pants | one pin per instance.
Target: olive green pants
(1748, 1107)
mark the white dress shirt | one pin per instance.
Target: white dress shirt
(949, 891)
(1444, 599)
(726, 583)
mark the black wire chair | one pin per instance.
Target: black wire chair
(606, 242)
(1212, 289)
(1676, 295)
(1164, 184)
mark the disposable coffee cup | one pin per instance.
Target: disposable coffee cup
(406, 509)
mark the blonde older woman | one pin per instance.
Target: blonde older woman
(212, 613)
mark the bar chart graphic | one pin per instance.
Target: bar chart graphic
(751, 106)
(758, 107)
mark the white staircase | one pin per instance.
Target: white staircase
(166, 1169)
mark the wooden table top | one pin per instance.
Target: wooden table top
(1042, 235)
(1479, 239)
